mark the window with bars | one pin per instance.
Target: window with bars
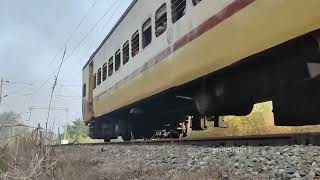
(178, 9)
(117, 60)
(161, 20)
(135, 44)
(99, 76)
(125, 53)
(110, 67)
(195, 2)
(104, 71)
(146, 33)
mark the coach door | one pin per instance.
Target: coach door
(88, 100)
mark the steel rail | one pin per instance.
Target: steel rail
(228, 141)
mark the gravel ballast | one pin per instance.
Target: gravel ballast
(197, 162)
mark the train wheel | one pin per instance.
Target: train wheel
(125, 130)
(128, 136)
(203, 101)
(106, 140)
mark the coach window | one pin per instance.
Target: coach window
(94, 81)
(135, 44)
(178, 8)
(84, 90)
(110, 67)
(104, 71)
(161, 20)
(117, 60)
(125, 53)
(146, 33)
(99, 77)
(195, 2)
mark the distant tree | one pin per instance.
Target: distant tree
(9, 118)
(77, 131)
(10, 124)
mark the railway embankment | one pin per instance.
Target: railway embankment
(27, 159)
(194, 162)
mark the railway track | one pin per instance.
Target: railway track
(250, 157)
(256, 140)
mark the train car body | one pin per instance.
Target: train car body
(168, 59)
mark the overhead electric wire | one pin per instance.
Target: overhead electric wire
(74, 31)
(75, 75)
(66, 42)
(70, 54)
(70, 85)
(79, 43)
(65, 59)
(95, 25)
(15, 82)
(114, 12)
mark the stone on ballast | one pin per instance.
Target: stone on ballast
(250, 164)
(202, 163)
(296, 175)
(236, 164)
(207, 158)
(281, 171)
(290, 171)
(286, 149)
(191, 163)
(317, 171)
(262, 158)
(277, 153)
(192, 169)
(311, 174)
(265, 168)
(270, 162)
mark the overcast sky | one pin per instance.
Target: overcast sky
(31, 34)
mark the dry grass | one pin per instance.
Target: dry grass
(25, 159)
(260, 121)
(4, 158)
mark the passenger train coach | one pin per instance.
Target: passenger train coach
(166, 60)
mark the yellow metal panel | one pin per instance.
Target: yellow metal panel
(262, 25)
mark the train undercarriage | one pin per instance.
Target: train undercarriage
(288, 75)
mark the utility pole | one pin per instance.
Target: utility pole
(66, 110)
(54, 85)
(31, 108)
(30, 111)
(65, 125)
(1, 84)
